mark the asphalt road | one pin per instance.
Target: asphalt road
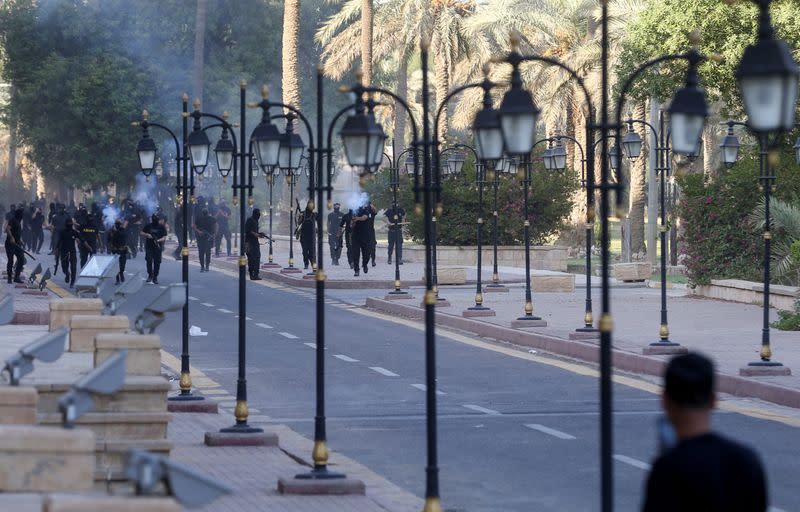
(514, 434)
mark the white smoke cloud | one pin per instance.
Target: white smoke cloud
(145, 194)
(110, 215)
(356, 199)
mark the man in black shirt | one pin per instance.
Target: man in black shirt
(395, 216)
(223, 228)
(205, 229)
(703, 472)
(362, 237)
(66, 250)
(154, 235)
(334, 233)
(346, 228)
(307, 224)
(89, 238)
(118, 244)
(37, 230)
(13, 247)
(252, 248)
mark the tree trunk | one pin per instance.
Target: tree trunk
(367, 18)
(442, 78)
(291, 31)
(399, 112)
(199, 49)
(638, 189)
(710, 151)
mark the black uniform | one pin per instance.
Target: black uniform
(307, 225)
(252, 248)
(205, 228)
(395, 216)
(59, 225)
(134, 218)
(13, 248)
(346, 228)
(223, 228)
(67, 252)
(179, 233)
(334, 238)
(37, 230)
(153, 248)
(89, 235)
(362, 238)
(118, 244)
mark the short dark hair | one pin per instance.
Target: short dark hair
(689, 381)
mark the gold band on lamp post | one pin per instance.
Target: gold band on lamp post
(186, 382)
(241, 412)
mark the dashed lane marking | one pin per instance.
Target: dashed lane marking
(484, 410)
(423, 387)
(312, 345)
(223, 310)
(383, 371)
(193, 298)
(207, 304)
(549, 431)
(288, 335)
(264, 326)
(632, 462)
(345, 358)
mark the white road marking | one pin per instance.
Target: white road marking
(423, 387)
(632, 462)
(345, 358)
(223, 310)
(383, 371)
(550, 431)
(775, 509)
(288, 335)
(264, 326)
(312, 345)
(207, 304)
(193, 298)
(163, 287)
(484, 410)
(247, 318)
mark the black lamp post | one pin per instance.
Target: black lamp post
(588, 328)
(424, 148)
(504, 166)
(768, 78)
(632, 147)
(394, 184)
(290, 160)
(147, 150)
(266, 139)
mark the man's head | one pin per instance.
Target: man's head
(18, 213)
(256, 213)
(118, 224)
(204, 212)
(336, 207)
(688, 396)
(154, 218)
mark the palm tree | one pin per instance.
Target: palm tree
(367, 19)
(291, 29)
(399, 27)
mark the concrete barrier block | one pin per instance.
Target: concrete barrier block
(628, 272)
(83, 329)
(144, 351)
(100, 503)
(62, 310)
(41, 459)
(18, 405)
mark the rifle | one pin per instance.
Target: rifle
(26, 252)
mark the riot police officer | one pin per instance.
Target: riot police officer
(252, 247)
(155, 234)
(334, 233)
(118, 244)
(89, 237)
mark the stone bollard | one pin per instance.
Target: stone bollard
(62, 310)
(42, 459)
(144, 351)
(632, 272)
(84, 328)
(18, 405)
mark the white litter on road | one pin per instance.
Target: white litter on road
(196, 331)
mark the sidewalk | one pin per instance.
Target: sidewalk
(729, 332)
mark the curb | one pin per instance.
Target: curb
(589, 352)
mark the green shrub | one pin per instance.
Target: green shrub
(788, 320)
(550, 204)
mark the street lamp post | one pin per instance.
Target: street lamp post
(632, 147)
(507, 166)
(588, 329)
(185, 400)
(768, 78)
(394, 184)
(291, 180)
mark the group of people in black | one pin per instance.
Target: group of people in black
(78, 232)
(355, 230)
